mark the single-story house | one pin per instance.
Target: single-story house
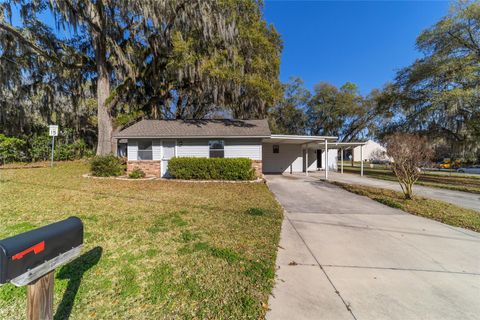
(150, 144)
(371, 151)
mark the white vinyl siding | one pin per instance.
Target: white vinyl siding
(288, 159)
(156, 150)
(332, 159)
(243, 148)
(132, 149)
(193, 148)
(234, 148)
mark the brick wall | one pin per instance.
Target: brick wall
(257, 165)
(150, 167)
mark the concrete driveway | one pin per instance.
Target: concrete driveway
(462, 199)
(344, 256)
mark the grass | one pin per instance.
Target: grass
(153, 249)
(455, 181)
(428, 208)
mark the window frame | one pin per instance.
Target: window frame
(148, 151)
(220, 150)
(276, 148)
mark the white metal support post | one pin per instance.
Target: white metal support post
(326, 159)
(306, 159)
(341, 160)
(361, 160)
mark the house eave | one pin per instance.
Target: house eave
(191, 137)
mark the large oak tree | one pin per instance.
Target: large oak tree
(153, 58)
(439, 93)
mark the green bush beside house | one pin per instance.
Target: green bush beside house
(211, 168)
(107, 166)
(136, 174)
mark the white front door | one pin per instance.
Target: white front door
(167, 154)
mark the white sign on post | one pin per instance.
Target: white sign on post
(53, 130)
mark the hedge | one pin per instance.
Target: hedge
(11, 149)
(211, 168)
(106, 166)
(38, 147)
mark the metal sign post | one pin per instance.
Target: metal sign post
(53, 132)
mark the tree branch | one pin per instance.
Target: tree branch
(80, 13)
(35, 47)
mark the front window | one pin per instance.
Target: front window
(145, 150)
(216, 148)
(122, 148)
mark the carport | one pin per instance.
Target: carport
(298, 153)
(344, 146)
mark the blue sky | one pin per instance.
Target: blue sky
(364, 42)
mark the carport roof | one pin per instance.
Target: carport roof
(344, 145)
(297, 139)
(313, 141)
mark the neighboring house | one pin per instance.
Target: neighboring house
(372, 151)
(152, 143)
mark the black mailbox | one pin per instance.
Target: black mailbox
(30, 250)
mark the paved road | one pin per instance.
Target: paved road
(344, 256)
(459, 198)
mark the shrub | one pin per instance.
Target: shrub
(106, 166)
(40, 147)
(410, 153)
(136, 173)
(71, 151)
(65, 152)
(11, 149)
(211, 168)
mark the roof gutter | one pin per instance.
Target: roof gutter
(188, 137)
(299, 137)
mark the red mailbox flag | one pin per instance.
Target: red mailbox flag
(39, 247)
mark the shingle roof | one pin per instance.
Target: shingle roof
(196, 128)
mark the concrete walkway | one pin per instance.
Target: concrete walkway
(344, 256)
(459, 198)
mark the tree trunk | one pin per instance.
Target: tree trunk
(104, 117)
(179, 109)
(409, 191)
(154, 112)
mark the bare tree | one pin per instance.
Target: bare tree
(409, 153)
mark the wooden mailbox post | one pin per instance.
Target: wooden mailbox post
(40, 298)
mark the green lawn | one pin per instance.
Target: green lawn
(428, 208)
(453, 181)
(153, 249)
